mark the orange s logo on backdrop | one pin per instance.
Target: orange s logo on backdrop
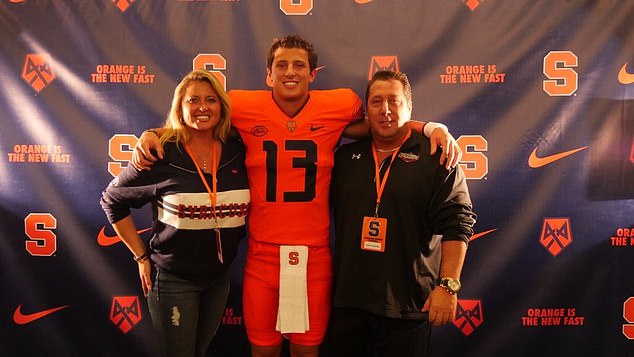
(562, 80)
(628, 315)
(296, 7)
(42, 241)
(120, 148)
(213, 62)
(474, 162)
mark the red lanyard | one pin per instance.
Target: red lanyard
(380, 186)
(212, 192)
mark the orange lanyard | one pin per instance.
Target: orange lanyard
(212, 192)
(214, 182)
(380, 184)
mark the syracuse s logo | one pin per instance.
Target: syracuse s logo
(562, 79)
(213, 62)
(42, 240)
(296, 7)
(628, 315)
(120, 148)
(474, 163)
(293, 258)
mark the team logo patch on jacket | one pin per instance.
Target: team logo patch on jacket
(408, 157)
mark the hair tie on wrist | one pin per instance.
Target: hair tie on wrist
(141, 257)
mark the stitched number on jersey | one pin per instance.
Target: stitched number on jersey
(307, 163)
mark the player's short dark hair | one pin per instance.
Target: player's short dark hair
(292, 41)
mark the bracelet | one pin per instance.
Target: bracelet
(153, 131)
(141, 258)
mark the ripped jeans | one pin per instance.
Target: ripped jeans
(186, 314)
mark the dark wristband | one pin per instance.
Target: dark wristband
(141, 258)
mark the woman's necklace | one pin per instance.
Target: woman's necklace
(204, 157)
(205, 165)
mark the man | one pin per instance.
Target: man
(290, 134)
(394, 275)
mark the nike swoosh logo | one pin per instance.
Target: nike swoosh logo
(362, 1)
(316, 127)
(481, 234)
(105, 240)
(535, 162)
(624, 76)
(23, 319)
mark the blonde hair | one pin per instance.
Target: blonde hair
(176, 129)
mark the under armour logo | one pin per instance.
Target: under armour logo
(356, 156)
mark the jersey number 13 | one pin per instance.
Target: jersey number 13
(308, 163)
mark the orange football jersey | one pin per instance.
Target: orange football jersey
(289, 162)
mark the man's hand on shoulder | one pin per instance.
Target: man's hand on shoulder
(357, 129)
(440, 137)
(142, 158)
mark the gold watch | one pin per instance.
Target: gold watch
(450, 284)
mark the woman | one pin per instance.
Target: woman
(200, 197)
